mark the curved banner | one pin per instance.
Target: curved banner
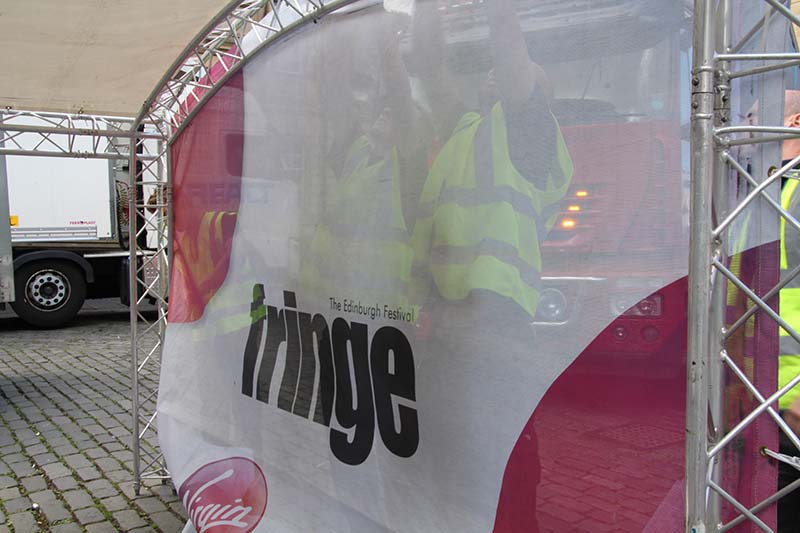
(429, 275)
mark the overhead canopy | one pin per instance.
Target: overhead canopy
(92, 56)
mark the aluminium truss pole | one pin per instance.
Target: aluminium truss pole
(719, 212)
(133, 287)
(6, 258)
(702, 174)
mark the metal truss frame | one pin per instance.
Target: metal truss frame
(31, 133)
(56, 135)
(150, 212)
(717, 61)
(205, 65)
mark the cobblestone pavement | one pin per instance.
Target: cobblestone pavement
(65, 459)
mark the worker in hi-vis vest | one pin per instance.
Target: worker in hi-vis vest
(361, 241)
(493, 190)
(490, 197)
(360, 247)
(789, 358)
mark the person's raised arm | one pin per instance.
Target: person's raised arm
(398, 88)
(515, 73)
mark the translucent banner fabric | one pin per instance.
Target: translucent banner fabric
(429, 275)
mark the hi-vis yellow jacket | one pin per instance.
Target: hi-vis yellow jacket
(360, 248)
(482, 229)
(789, 361)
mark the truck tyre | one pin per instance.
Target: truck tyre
(48, 293)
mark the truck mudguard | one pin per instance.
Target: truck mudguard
(45, 255)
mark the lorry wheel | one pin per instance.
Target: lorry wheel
(48, 293)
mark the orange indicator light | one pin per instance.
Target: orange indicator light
(567, 223)
(574, 208)
(582, 193)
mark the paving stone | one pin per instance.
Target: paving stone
(89, 473)
(56, 470)
(41, 427)
(36, 449)
(101, 488)
(77, 461)
(42, 496)
(165, 492)
(54, 510)
(89, 515)
(65, 449)
(9, 493)
(115, 503)
(17, 504)
(178, 509)
(33, 484)
(4, 529)
(120, 476)
(123, 456)
(122, 432)
(54, 437)
(150, 505)
(66, 528)
(18, 424)
(104, 438)
(6, 481)
(84, 444)
(113, 447)
(78, 499)
(14, 458)
(107, 464)
(102, 527)
(27, 437)
(22, 469)
(128, 519)
(167, 522)
(95, 429)
(13, 448)
(24, 522)
(45, 459)
(65, 483)
(6, 437)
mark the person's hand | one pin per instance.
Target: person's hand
(792, 416)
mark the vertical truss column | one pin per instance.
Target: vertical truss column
(713, 217)
(719, 210)
(148, 277)
(702, 172)
(6, 261)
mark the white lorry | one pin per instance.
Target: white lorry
(68, 233)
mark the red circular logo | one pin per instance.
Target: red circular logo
(226, 496)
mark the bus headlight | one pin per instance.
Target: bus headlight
(552, 306)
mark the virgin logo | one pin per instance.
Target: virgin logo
(227, 496)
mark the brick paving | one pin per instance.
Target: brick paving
(65, 459)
